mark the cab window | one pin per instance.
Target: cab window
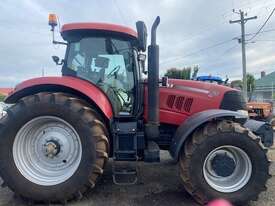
(108, 63)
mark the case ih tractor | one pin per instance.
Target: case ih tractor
(57, 137)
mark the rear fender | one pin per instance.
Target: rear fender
(196, 120)
(262, 129)
(81, 88)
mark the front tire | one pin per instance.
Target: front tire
(224, 160)
(53, 147)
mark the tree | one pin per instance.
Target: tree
(2, 97)
(184, 73)
(237, 84)
(251, 82)
(195, 72)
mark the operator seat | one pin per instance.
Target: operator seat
(116, 103)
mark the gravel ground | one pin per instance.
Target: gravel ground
(159, 184)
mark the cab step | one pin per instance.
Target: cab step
(125, 173)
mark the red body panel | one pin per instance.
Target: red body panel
(84, 87)
(183, 98)
(99, 26)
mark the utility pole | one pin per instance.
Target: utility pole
(242, 21)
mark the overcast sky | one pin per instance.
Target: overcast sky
(187, 35)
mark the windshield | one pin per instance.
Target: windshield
(108, 63)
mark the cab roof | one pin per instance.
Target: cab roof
(99, 27)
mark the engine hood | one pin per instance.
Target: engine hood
(204, 88)
(183, 98)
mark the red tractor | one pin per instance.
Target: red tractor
(57, 137)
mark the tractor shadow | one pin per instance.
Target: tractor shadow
(158, 184)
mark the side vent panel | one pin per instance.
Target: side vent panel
(171, 101)
(179, 103)
(188, 104)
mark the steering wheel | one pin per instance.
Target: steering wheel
(116, 69)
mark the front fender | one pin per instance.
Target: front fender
(77, 86)
(193, 122)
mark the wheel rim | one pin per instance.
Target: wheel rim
(220, 174)
(47, 150)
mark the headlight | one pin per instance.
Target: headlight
(243, 112)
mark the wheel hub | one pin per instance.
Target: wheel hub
(223, 165)
(52, 148)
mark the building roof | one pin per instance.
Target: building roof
(5, 91)
(266, 81)
(99, 26)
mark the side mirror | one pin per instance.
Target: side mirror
(142, 60)
(56, 60)
(142, 35)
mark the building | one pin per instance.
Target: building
(265, 87)
(5, 91)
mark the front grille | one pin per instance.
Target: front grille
(233, 100)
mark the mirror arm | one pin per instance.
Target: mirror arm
(59, 42)
(53, 36)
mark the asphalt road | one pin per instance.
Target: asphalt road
(159, 184)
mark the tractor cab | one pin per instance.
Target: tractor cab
(107, 56)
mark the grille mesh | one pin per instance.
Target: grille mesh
(179, 103)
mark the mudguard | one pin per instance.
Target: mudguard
(194, 121)
(76, 86)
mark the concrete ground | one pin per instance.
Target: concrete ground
(159, 184)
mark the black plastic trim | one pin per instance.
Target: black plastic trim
(195, 121)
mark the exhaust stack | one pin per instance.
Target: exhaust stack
(152, 127)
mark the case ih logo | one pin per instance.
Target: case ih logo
(213, 93)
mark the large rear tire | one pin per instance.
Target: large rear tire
(53, 147)
(224, 160)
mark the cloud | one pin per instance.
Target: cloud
(186, 28)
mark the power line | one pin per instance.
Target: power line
(251, 6)
(215, 63)
(266, 31)
(119, 11)
(228, 50)
(268, 40)
(196, 52)
(256, 34)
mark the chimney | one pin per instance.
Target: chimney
(262, 74)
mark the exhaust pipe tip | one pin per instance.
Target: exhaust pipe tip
(154, 31)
